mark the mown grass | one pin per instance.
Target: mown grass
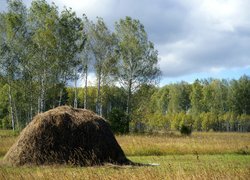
(201, 156)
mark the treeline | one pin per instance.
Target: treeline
(210, 104)
(42, 50)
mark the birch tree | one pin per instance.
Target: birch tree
(43, 20)
(137, 57)
(71, 42)
(12, 32)
(86, 58)
(102, 43)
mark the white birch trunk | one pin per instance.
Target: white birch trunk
(61, 92)
(42, 98)
(85, 86)
(11, 109)
(60, 97)
(75, 83)
(98, 108)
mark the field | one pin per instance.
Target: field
(200, 156)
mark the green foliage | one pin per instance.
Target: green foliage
(240, 95)
(137, 58)
(42, 50)
(6, 122)
(196, 97)
(118, 120)
(179, 97)
(103, 45)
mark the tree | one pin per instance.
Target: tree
(240, 95)
(86, 58)
(179, 97)
(196, 97)
(4, 106)
(71, 41)
(137, 58)
(102, 43)
(113, 97)
(159, 101)
(141, 105)
(13, 30)
(43, 20)
(219, 97)
(117, 120)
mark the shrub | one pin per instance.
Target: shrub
(118, 120)
(186, 130)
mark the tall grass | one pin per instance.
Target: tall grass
(171, 167)
(7, 138)
(200, 156)
(145, 145)
(198, 143)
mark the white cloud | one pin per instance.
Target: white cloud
(215, 39)
(191, 35)
(92, 8)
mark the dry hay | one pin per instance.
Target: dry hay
(66, 135)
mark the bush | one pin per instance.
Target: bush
(186, 130)
(6, 123)
(118, 120)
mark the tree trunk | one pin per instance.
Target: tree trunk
(16, 116)
(31, 113)
(38, 105)
(60, 97)
(42, 99)
(100, 105)
(98, 94)
(129, 98)
(128, 110)
(31, 101)
(75, 82)
(85, 86)
(11, 109)
(109, 107)
(61, 91)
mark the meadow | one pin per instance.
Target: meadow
(207, 155)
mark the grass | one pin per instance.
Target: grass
(201, 156)
(7, 138)
(198, 143)
(171, 167)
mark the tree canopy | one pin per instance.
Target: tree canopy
(44, 51)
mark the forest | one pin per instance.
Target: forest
(45, 53)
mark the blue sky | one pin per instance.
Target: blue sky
(228, 74)
(195, 38)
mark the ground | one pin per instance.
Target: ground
(200, 156)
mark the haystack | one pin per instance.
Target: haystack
(66, 135)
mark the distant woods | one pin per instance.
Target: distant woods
(43, 50)
(204, 105)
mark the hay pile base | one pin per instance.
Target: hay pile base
(65, 135)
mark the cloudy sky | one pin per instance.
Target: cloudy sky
(195, 38)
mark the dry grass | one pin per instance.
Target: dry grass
(198, 143)
(171, 167)
(7, 139)
(205, 156)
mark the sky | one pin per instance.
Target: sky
(195, 39)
